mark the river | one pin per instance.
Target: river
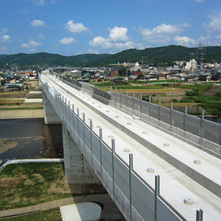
(30, 138)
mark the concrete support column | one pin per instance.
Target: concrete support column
(77, 169)
(50, 116)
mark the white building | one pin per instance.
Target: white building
(191, 65)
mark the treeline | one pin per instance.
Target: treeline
(162, 56)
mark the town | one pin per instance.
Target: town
(188, 72)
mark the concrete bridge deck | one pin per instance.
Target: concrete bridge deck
(155, 153)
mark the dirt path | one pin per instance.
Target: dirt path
(109, 212)
(15, 114)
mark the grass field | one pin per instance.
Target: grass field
(30, 184)
(48, 215)
(34, 183)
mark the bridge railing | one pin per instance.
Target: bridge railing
(135, 198)
(192, 129)
(199, 132)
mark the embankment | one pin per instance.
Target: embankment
(23, 113)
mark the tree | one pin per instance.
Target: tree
(122, 71)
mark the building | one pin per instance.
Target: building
(191, 65)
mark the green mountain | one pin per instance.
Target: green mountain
(153, 56)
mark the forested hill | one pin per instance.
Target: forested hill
(153, 56)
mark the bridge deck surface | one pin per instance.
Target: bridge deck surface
(176, 186)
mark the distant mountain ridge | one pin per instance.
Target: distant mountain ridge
(153, 56)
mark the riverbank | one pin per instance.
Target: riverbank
(30, 186)
(22, 113)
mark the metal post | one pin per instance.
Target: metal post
(157, 193)
(69, 113)
(159, 106)
(133, 101)
(78, 119)
(185, 119)
(113, 153)
(130, 181)
(100, 136)
(171, 113)
(149, 105)
(84, 133)
(199, 215)
(115, 96)
(73, 117)
(91, 130)
(120, 98)
(202, 124)
(126, 98)
(141, 102)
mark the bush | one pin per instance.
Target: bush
(190, 93)
(218, 95)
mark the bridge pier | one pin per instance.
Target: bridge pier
(77, 169)
(50, 116)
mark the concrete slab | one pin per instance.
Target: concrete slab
(36, 100)
(81, 212)
(34, 92)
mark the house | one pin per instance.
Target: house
(113, 74)
(192, 79)
(162, 77)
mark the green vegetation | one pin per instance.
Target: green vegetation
(22, 108)
(30, 184)
(162, 56)
(137, 85)
(195, 94)
(201, 88)
(48, 215)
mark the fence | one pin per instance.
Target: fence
(202, 133)
(195, 130)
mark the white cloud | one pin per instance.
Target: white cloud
(214, 24)
(31, 44)
(117, 40)
(67, 40)
(101, 42)
(118, 34)
(163, 33)
(92, 51)
(4, 38)
(213, 28)
(185, 41)
(43, 2)
(41, 36)
(36, 23)
(75, 27)
(200, 1)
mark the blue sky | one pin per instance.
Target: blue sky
(71, 27)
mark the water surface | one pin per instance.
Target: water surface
(30, 138)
